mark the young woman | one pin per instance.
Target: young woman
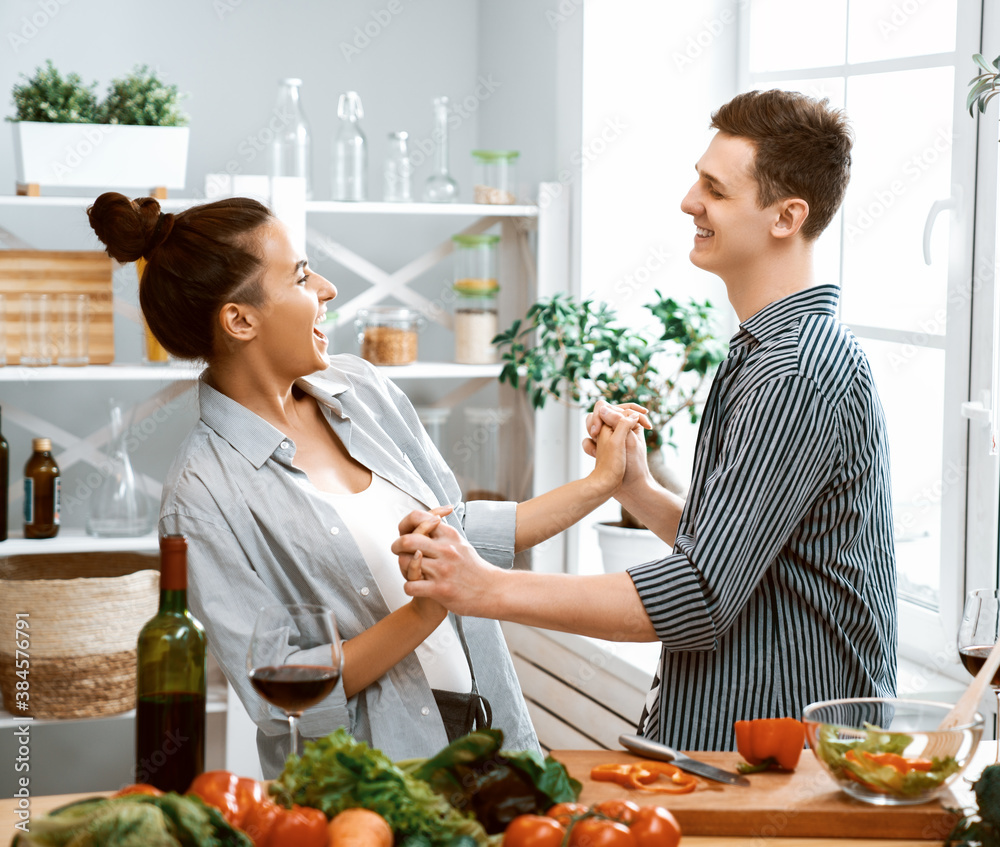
(291, 486)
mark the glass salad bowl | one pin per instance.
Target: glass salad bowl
(887, 751)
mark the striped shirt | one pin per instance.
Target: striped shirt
(257, 537)
(781, 588)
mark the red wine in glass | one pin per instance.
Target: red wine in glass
(295, 659)
(294, 688)
(973, 659)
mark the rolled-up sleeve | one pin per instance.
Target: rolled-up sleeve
(490, 526)
(779, 447)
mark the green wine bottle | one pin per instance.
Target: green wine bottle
(170, 682)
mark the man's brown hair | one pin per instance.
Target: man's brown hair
(803, 149)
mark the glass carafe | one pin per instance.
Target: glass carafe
(350, 151)
(440, 187)
(119, 507)
(290, 149)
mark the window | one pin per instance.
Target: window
(914, 253)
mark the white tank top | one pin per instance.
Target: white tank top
(373, 517)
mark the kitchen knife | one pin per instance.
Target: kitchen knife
(654, 750)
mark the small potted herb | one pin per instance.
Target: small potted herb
(135, 138)
(577, 352)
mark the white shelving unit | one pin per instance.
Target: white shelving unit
(527, 273)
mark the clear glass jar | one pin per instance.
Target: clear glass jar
(476, 287)
(398, 183)
(495, 176)
(290, 149)
(440, 186)
(482, 465)
(435, 421)
(388, 334)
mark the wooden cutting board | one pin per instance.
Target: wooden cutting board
(53, 273)
(806, 803)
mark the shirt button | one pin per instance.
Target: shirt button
(284, 445)
(334, 530)
(425, 711)
(364, 592)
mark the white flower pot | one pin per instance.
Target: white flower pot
(622, 546)
(100, 155)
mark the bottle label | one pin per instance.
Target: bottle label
(29, 500)
(56, 499)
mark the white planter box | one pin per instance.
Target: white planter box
(100, 155)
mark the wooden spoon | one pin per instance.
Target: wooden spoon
(947, 744)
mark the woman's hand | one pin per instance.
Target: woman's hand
(602, 422)
(611, 452)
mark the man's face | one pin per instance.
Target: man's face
(731, 231)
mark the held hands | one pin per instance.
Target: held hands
(440, 565)
(616, 441)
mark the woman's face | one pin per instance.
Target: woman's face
(296, 302)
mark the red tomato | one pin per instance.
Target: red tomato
(597, 832)
(655, 827)
(138, 788)
(623, 811)
(533, 831)
(562, 812)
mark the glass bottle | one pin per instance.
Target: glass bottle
(170, 682)
(350, 151)
(398, 184)
(42, 489)
(4, 483)
(290, 149)
(118, 508)
(440, 187)
(482, 469)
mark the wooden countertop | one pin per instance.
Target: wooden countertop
(575, 759)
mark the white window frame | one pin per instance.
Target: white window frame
(969, 514)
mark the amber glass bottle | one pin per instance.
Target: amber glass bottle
(170, 682)
(41, 491)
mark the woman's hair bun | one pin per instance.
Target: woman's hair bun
(129, 229)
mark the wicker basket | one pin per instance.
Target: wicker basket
(84, 611)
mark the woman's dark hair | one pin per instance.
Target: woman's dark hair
(196, 262)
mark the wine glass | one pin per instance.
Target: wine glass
(978, 632)
(295, 659)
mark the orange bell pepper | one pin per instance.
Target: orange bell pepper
(644, 776)
(770, 743)
(244, 804)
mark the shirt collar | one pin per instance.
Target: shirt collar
(816, 300)
(246, 431)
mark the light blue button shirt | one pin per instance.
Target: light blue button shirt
(256, 537)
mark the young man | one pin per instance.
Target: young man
(781, 587)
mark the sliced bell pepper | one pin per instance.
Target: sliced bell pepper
(770, 743)
(645, 776)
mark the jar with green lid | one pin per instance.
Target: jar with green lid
(494, 179)
(476, 290)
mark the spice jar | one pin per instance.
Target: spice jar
(494, 179)
(388, 334)
(476, 298)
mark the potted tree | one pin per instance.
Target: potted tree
(578, 352)
(985, 86)
(136, 138)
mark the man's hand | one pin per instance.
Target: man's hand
(422, 523)
(441, 565)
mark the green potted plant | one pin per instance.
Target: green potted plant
(135, 138)
(577, 352)
(985, 86)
